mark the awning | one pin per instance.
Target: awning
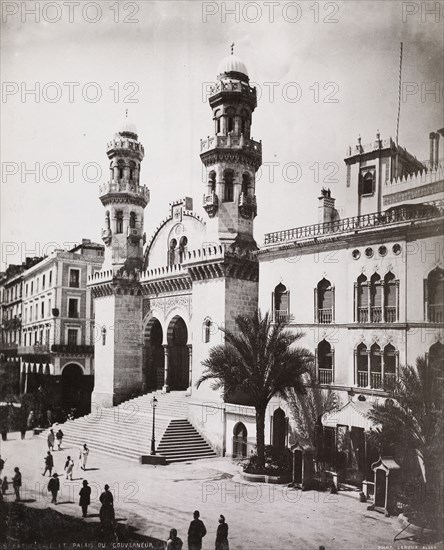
(352, 414)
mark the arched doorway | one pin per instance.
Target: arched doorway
(239, 440)
(153, 355)
(76, 389)
(279, 429)
(178, 355)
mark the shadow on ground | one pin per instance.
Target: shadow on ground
(24, 525)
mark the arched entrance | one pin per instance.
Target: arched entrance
(279, 428)
(76, 389)
(153, 355)
(239, 440)
(178, 354)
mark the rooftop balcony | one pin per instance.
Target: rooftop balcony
(393, 216)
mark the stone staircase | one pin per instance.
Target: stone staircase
(125, 431)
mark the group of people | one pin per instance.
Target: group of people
(196, 532)
(53, 437)
(16, 481)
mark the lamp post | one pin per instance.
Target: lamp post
(153, 441)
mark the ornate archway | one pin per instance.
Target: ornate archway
(240, 440)
(76, 391)
(153, 360)
(178, 354)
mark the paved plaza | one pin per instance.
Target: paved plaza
(154, 499)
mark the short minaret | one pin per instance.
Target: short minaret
(326, 209)
(124, 200)
(116, 288)
(231, 157)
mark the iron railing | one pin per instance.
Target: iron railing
(325, 376)
(325, 315)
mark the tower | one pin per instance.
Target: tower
(116, 289)
(231, 157)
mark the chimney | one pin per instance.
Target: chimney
(326, 208)
(432, 137)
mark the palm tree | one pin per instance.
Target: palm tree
(308, 409)
(411, 419)
(260, 361)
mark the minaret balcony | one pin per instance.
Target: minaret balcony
(125, 186)
(232, 86)
(247, 206)
(231, 142)
(117, 144)
(211, 204)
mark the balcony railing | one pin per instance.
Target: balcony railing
(325, 315)
(376, 314)
(37, 349)
(73, 314)
(281, 315)
(362, 379)
(7, 346)
(325, 376)
(363, 314)
(394, 215)
(72, 348)
(436, 313)
(390, 314)
(376, 380)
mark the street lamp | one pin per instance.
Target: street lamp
(153, 441)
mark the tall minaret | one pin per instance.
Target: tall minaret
(231, 157)
(116, 288)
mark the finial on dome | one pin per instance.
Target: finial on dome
(232, 48)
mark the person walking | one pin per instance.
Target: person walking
(30, 421)
(83, 456)
(69, 467)
(59, 437)
(23, 428)
(54, 487)
(50, 440)
(85, 498)
(222, 534)
(5, 485)
(17, 483)
(49, 464)
(196, 532)
(107, 513)
(174, 542)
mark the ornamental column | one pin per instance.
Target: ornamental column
(190, 369)
(165, 388)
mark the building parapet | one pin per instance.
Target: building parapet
(162, 272)
(393, 216)
(231, 142)
(232, 86)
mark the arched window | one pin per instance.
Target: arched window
(182, 248)
(434, 296)
(324, 302)
(119, 221)
(245, 183)
(172, 252)
(368, 180)
(206, 331)
(324, 355)
(120, 167)
(436, 358)
(389, 365)
(390, 298)
(375, 298)
(133, 220)
(239, 440)
(375, 367)
(230, 120)
(362, 365)
(244, 122)
(229, 186)
(361, 299)
(281, 303)
(217, 120)
(279, 428)
(212, 182)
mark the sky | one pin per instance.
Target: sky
(326, 72)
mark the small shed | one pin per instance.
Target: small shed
(387, 474)
(303, 465)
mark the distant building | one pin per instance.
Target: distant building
(57, 333)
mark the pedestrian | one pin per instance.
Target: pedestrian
(222, 534)
(2, 465)
(107, 512)
(85, 498)
(17, 483)
(30, 421)
(69, 466)
(4, 485)
(83, 456)
(59, 437)
(23, 430)
(196, 532)
(49, 464)
(49, 417)
(174, 542)
(54, 487)
(50, 440)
